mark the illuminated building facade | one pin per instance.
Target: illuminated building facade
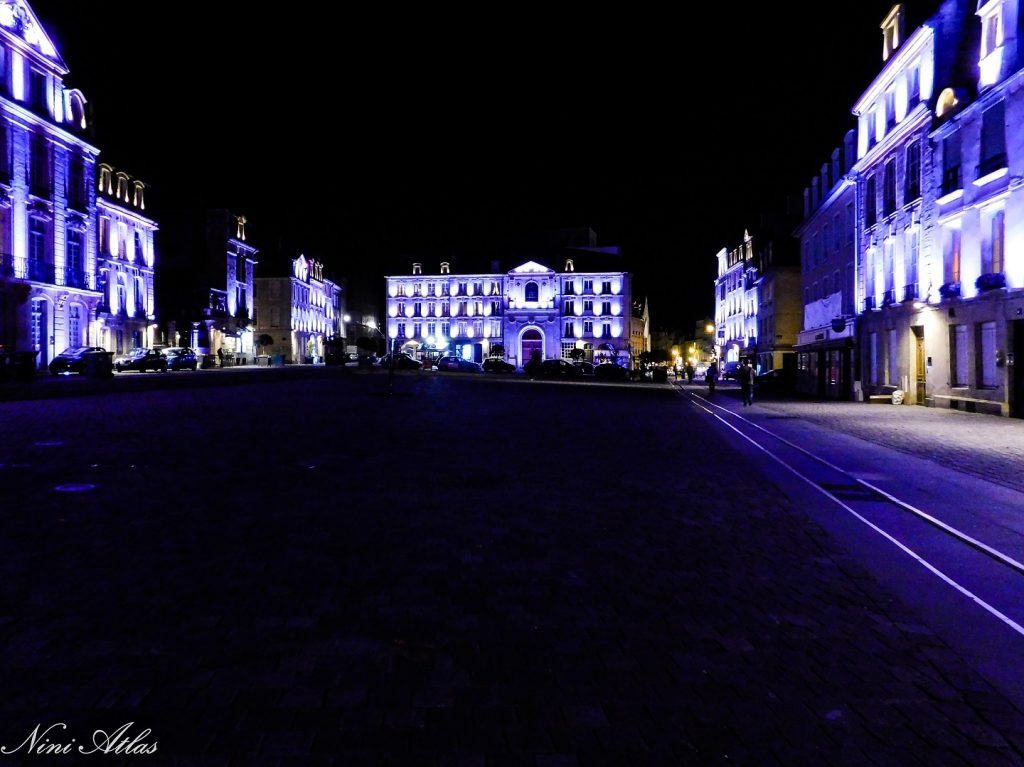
(301, 311)
(48, 236)
(530, 310)
(736, 302)
(127, 309)
(206, 285)
(895, 180)
(640, 329)
(973, 321)
(826, 346)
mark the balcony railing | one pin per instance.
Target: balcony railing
(889, 297)
(40, 271)
(910, 292)
(869, 303)
(75, 278)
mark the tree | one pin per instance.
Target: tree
(497, 350)
(264, 341)
(577, 355)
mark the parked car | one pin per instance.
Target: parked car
(141, 359)
(559, 369)
(498, 365)
(402, 362)
(586, 368)
(181, 358)
(72, 359)
(366, 360)
(459, 365)
(609, 371)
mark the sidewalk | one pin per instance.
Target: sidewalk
(985, 446)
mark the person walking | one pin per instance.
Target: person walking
(690, 372)
(746, 376)
(220, 356)
(710, 377)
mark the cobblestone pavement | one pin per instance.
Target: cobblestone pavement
(986, 446)
(467, 573)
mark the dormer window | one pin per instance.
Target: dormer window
(139, 199)
(531, 292)
(992, 36)
(569, 266)
(444, 268)
(417, 268)
(892, 32)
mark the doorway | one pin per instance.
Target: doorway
(532, 343)
(1017, 370)
(920, 366)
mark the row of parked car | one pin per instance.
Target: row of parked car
(553, 368)
(73, 360)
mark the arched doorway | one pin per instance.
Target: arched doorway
(531, 342)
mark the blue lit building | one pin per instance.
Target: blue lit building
(49, 292)
(126, 261)
(529, 310)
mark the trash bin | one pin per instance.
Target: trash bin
(98, 364)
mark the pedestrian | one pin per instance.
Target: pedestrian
(220, 356)
(746, 376)
(690, 372)
(710, 377)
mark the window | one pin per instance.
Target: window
(870, 202)
(40, 166)
(36, 240)
(913, 255)
(958, 355)
(570, 287)
(73, 274)
(989, 376)
(588, 327)
(889, 188)
(401, 330)
(76, 183)
(606, 330)
(951, 180)
(913, 88)
(912, 183)
(588, 307)
(826, 242)
(992, 31)
(417, 330)
(445, 329)
(417, 309)
(606, 307)
(530, 292)
(495, 308)
(431, 329)
(430, 289)
(993, 139)
(567, 350)
(873, 359)
(850, 223)
(837, 231)
(588, 286)
(953, 255)
(570, 307)
(996, 242)
(38, 84)
(606, 286)
(74, 326)
(569, 330)
(894, 357)
(140, 254)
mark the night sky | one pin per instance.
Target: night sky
(459, 131)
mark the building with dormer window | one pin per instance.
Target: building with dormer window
(48, 236)
(301, 312)
(530, 310)
(125, 262)
(207, 281)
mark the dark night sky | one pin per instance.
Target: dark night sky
(457, 130)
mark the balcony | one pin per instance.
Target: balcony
(75, 278)
(869, 303)
(40, 271)
(889, 297)
(910, 292)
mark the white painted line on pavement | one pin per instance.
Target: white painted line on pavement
(914, 555)
(1006, 559)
